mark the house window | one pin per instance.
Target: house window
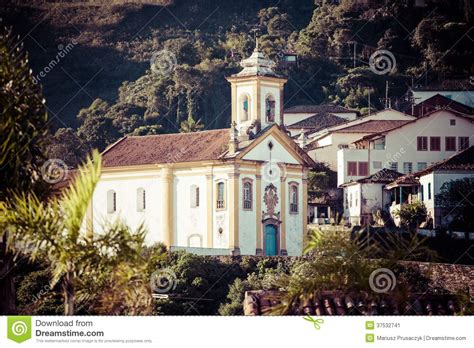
(377, 164)
(422, 191)
(421, 166)
(429, 191)
(422, 143)
(247, 194)
(435, 143)
(141, 199)
(270, 108)
(293, 198)
(194, 196)
(393, 166)
(450, 143)
(350, 200)
(352, 168)
(407, 167)
(111, 201)
(220, 195)
(244, 107)
(356, 196)
(363, 168)
(463, 143)
(452, 122)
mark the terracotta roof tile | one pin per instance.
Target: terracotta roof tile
(373, 126)
(264, 302)
(317, 122)
(463, 160)
(167, 148)
(314, 109)
(383, 176)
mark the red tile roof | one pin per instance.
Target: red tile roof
(383, 176)
(437, 102)
(463, 160)
(317, 122)
(373, 126)
(314, 109)
(167, 148)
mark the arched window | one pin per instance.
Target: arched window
(293, 197)
(270, 108)
(141, 199)
(247, 194)
(194, 196)
(220, 195)
(111, 201)
(244, 107)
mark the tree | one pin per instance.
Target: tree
(52, 231)
(23, 121)
(190, 125)
(454, 199)
(412, 214)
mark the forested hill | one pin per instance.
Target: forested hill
(100, 85)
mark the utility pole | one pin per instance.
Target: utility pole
(386, 94)
(369, 101)
(355, 51)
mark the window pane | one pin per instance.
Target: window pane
(463, 143)
(352, 168)
(435, 143)
(422, 143)
(421, 166)
(363, 168)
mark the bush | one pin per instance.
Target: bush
(412, 215)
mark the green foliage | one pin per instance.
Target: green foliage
(190, 125)
(412, 214)
(454, 198)
(23, 118)
(51, 232)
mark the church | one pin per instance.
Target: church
(235, 191)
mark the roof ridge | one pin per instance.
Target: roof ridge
(180, 133)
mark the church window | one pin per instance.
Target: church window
(194, 196)
(244, 107)
(270, 108)
(111, 201)
(141, 199)
(293, 197)
(247, 194)
(220, 195)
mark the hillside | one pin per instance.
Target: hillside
(93, 58)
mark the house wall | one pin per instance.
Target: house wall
(125, 185)
(437, 179)
(353, 209)
(401, 145)
(365, 199)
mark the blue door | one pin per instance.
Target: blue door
(271, 240)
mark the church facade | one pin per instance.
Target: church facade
(241, 190)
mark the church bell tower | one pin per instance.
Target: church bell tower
(257, 94)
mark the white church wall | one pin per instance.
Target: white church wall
(126, 187)
(191, 221)
(294, 222)
(247, 218)
(278, 154)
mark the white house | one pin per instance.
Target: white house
(241, 190)
(324, 143)
(426, 185)
(363, 197)
(410, 147)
